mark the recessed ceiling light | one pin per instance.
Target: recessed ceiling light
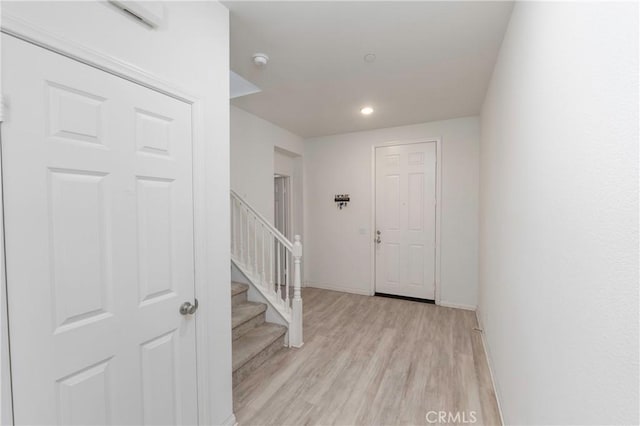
(370, 57)
(366, 110)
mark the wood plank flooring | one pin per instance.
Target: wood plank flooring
(372, 361)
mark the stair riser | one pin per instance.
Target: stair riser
(241, 329)
(239, 298)
(255, 362)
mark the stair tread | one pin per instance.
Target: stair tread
(255, 341)
(245, 311)
(237, 288)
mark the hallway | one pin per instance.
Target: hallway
(372, 360)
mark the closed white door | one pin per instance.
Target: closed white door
(406, 220)
(99, 245)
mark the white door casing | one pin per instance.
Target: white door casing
(282, 221)
(405, 216)
(99, 233)
(282, 205)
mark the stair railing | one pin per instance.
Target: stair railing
(266, 257)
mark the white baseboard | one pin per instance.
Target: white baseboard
(338, 288)
(231, 421)
(456, 305)
(487, 355)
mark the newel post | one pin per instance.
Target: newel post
(295, 332)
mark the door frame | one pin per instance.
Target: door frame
(289, 204)
(25, 31)
(438, 142)
(288, 208)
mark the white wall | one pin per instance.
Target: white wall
(283, 163)
(256, 144)
(259, 149)
(338, 242)
(559, 215)
(190, 52)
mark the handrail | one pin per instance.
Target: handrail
(284, 240)
(270, 262)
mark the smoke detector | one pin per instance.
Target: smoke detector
(260, 59)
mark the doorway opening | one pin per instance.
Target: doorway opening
(282, 204)
(282, 222)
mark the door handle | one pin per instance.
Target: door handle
(188, 309)
(378, 240)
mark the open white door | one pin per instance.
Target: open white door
(406, 220)
(97, 175)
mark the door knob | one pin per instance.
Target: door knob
(188, 309)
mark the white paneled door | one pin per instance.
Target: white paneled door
(406, 220)
(99, 244)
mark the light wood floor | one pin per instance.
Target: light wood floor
(372, 361)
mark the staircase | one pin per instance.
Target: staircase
(271, 265)
(254, 340)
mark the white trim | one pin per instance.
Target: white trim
(25, 31)
(6, 396)
(1, 107)
(6, 400)
(289, 203)
(438, 142)
(438, 216)
(230, 421)
(372, 246)
(457, 305)
(489, 364)
(204, 346)
(337, 288)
